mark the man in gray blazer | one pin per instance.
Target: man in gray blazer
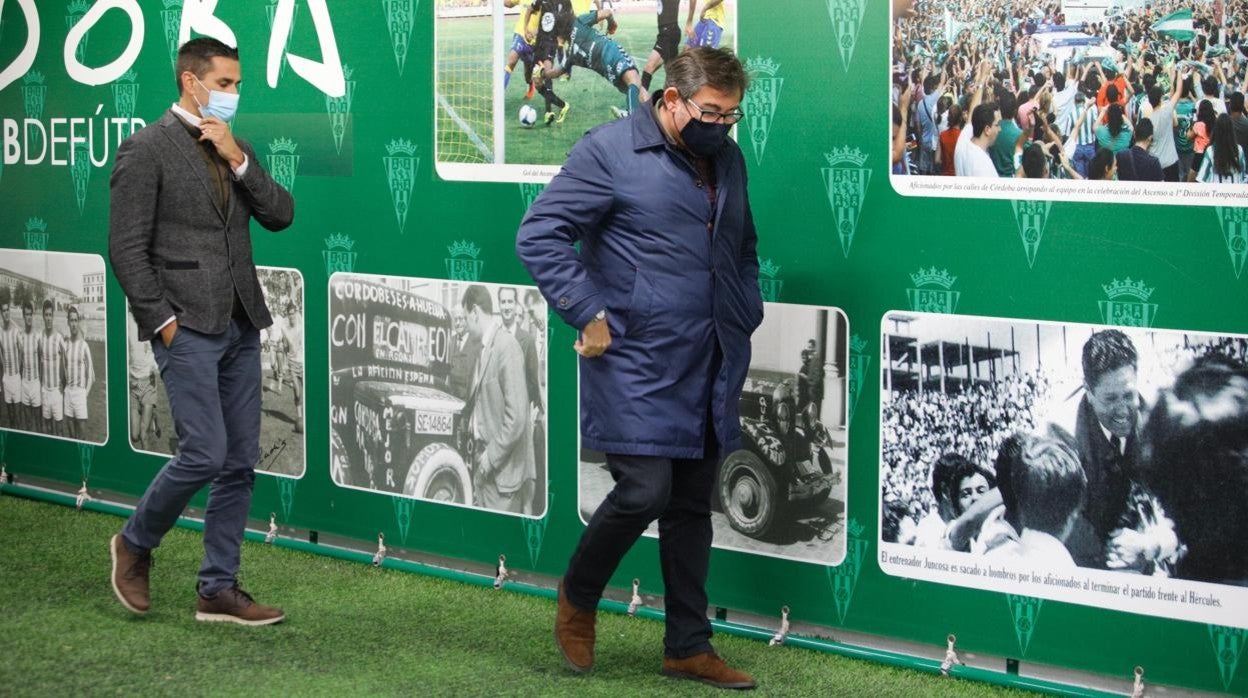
(503, 468)
(183, 193)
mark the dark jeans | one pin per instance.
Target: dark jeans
(213, 383)
(677, 492)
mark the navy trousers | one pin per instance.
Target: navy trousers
(213, 383)
(678, 493)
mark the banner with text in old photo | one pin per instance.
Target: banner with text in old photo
(438, 391)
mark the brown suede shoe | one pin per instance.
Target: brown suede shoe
(234, 605)
(707, 668)
(574, 634)
(130, 576)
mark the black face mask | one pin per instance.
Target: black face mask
(703, 139)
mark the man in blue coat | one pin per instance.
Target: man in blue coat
(664, 291)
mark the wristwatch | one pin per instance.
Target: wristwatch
(600, 315)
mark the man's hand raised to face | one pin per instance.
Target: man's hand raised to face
(218, 133)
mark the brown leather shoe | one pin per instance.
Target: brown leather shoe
(234, 605)
(707, 668)
(130, 576)
(574, 634)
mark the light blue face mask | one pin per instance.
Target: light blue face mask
(221, 105)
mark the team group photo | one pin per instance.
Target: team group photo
(53, 339)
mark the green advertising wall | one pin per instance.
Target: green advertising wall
(833, 230)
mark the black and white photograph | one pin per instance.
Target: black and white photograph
(282, 416)
(1099, 465)
(1126, 101)
(783, 494)
(438, 391)
(53, 345)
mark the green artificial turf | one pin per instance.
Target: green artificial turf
(351, 629)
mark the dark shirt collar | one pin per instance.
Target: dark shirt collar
(647, 133)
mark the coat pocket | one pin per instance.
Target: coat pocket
(639, 304)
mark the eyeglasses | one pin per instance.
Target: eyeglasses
(708, 116)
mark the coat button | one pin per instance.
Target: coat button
(563, 302)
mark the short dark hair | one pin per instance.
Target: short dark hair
(1237, 102)
(1048, 482)
(1154, 95)
(195, 57)
(1101, 163)
(956, 118)
(947, 472)
(515, 294)
(1059, 81)
(1107, 351)
(1033, 161)
(1008, 104)
(1111, 93)
(71, 311)
(49, 305)
(1007, 456)
(983, 117)
(478, 296)
(706, 67)
(1143, 130)
(28, 306)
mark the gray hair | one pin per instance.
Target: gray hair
(704, 66)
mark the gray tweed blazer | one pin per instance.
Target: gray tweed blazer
(175, 252)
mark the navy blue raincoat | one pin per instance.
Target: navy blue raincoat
(679, 282)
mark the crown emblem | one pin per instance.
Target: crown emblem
(857, 344)
(768, 268)
(931, 276)
(36, 225)
(170, 4)
(282, 145)
(1234, 215)
(463, 248)
(846, 155)
(347, 71)
(338, 241)
(1129, 288)
(762, 66)
(129, 76)
(34, 77)
(855, 529)
(77, 7)
(401, 145)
